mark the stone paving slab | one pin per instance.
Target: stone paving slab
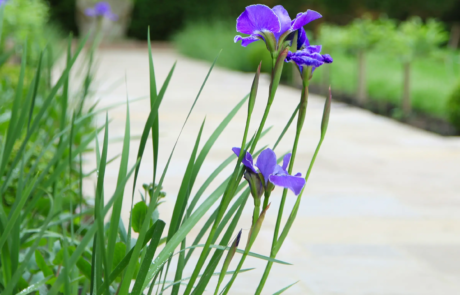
(381, 212)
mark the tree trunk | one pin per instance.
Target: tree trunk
(362, 87)
(454, 36)
(406, 100)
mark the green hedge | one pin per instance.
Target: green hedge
(64, 13)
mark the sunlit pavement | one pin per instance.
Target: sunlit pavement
(381, 212)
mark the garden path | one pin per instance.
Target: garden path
(381, 211)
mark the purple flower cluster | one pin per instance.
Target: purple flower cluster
(275, 27)
(309, 56)
(101, 9)
(3, 2)
(270, 172)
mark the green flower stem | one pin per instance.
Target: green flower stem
(255, 229)
(256, 212)
(278, 63)
(300, 123)
(275, 79)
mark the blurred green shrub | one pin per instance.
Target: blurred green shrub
(413, 39)
(203, 40)
(358, 38)
(453, 107)
(28, 20)
(9, 76)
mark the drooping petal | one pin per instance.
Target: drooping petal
(327, 58)
(304, 18)
(286, 160)
(266, 162)
(294, 183)
(245, 41)
(257, 18)
(284, 18)
(302, 40)
(306, 60)
(247, 161)
(314, 48)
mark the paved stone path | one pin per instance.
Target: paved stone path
(381, 213)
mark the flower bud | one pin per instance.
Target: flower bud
(327, 111)
(255, 184)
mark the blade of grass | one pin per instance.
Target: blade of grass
(124, 284)
(14, 214)
(101, 261)
(286, 127)
(90, 232)
(229, 214)
(284, 289)
(150, 120)
(153, 97)
(206, 276)
(116, 210)
(20, 270)
(227, 261)
(42, 111)
(180, 205)
(214, 274)
(182, 196)
(158, 230)
(34, 287)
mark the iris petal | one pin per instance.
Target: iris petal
(294, 183)
(284, 18)
(266, 162)
(247, 161)
(286, 160)
(245, 41)
(257, 18)
(302, 40)
(304, 18)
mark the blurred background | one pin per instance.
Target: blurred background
(396, 58)
(381, 216)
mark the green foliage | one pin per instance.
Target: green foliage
(28, 19)
(414, 39)
(364, 34)
(202, 40)
(138, 215)
(453, 107)
(432, 82)
(168, 17)
(64, 245)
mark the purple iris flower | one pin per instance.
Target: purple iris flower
(309, 56)
(101, 9)
(270, 25)
(271, 171)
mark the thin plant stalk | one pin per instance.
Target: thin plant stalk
(300, 122)
(279, 240)
(278, 64)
